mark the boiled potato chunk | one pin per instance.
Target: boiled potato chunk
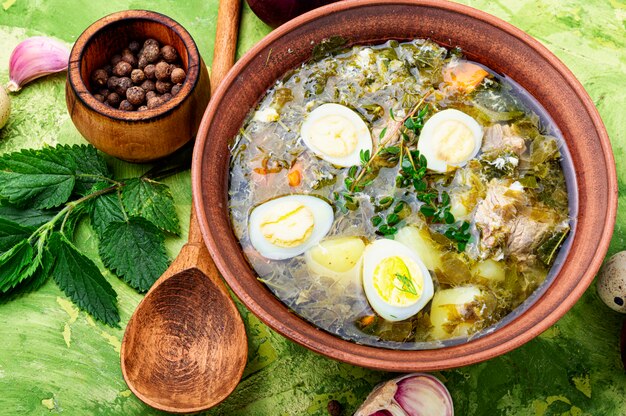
(448, 309)
(490, 269)
(419, 241)
(457, 206)
(336, 257)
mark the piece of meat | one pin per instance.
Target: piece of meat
(500, 138)
(525, 235)
(494, 214)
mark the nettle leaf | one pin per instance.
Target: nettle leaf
(105, 209)
(89, 165)
(152, 201)
(38, 178)
(134, 250)
(15, 265)
(33, 282)
(82, 281)
(11, 234)
(27, 217)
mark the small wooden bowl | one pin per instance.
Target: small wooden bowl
(485, 39)
(135, 136)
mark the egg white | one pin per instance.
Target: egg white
(323, 218)
(433, 135)
(372, 256)
(339, 120)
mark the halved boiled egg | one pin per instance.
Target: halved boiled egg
(288, 226)
(450, 138)
(339, 258)
(396, 282)
(336, 134)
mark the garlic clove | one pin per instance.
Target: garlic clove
(410, 395)
(36, 57)
(5, 107)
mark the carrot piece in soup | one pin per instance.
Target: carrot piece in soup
(295, 175)
(465, 76)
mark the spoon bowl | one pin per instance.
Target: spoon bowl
(185, 347)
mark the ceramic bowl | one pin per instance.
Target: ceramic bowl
(485, 39)
(135, 136)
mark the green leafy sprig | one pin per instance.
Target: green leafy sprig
(385, 136)
(45, 193)
(460, 234)
(387, 224)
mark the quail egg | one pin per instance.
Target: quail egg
(336, 134)
(612, 282)
(450, 139)
(397, 283)
(288, 226)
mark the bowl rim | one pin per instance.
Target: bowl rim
(330, 345)
(82, 93)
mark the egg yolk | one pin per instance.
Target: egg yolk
(397, 283)
(289, 224)
(455, 141)
(334, 136)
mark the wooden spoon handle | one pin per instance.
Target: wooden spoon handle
(225, 40)
(223, 60)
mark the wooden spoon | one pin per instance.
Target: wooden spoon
(185, 347)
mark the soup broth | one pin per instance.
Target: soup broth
(399, 195)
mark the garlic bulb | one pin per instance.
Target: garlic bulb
(410, 395)
(36, 57)
(5, 107)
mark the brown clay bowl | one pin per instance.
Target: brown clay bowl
(484, 38)
(135, 136)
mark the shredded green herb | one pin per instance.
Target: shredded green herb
(406, 284)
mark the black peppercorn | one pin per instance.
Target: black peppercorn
(112, 82)
(122, 85)
(148, 85)
(135, 95)
(163, 71)
(127, 56)
(122, 69)
(163, 86)
(178, 76)
(134, 46)
(99, 78)
(149, 71)
(176, 89)
(154, 102)
(113, 99)
(137, 76)
(126, 106)
(169, 53)
(149, 53)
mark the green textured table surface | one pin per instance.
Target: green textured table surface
(55, 359)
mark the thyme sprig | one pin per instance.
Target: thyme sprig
(387, 224)
(385, 137)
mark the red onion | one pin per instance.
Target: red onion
(277, 12)
(411, 395)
